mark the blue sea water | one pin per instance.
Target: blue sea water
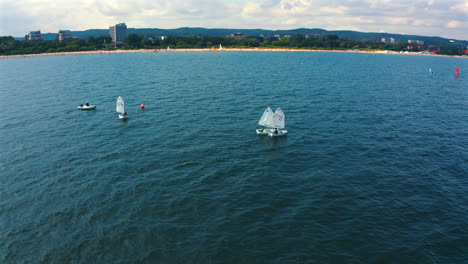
(373, 170)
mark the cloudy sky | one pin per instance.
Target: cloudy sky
(445, 18)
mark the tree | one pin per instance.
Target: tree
(134, 41)
(298, 40)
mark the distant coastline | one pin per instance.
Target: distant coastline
(224, 50)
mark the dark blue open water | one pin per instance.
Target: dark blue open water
(374, 169)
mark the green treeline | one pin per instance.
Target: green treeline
(10, 46)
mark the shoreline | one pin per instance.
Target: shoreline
(224, 50)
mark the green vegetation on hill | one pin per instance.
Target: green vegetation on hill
(10, 46)
(222, 32)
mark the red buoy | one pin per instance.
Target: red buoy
(457, 70)
(142, 106)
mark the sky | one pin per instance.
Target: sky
(444, 18)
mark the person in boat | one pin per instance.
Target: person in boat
(125, 114)
(276, 131)
(87, 104)
(263, 131)
(81, 105)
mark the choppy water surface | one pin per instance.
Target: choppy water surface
(374, 169)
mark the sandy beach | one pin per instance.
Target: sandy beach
(217, 50)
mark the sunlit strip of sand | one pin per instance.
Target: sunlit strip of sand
(217, 50)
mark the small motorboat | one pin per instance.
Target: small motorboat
(86, 107)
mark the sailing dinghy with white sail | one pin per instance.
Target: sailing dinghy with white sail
(266, 122)
(278, 124)
(120, 108)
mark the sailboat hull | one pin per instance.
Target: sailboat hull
(279, 134)
(264, 131)
(122, 117)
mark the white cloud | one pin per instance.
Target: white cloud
(251, 9)
(338, 10)
(457, 24)
(461, 7)
(435, 17)
(398, 21)
(422, 22)
(294, 6)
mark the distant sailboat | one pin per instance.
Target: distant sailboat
(430, 71)
(120, 108)
(278, 124)
(220, 47)
(266, 122)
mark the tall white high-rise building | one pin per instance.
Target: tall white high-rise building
(118, 33)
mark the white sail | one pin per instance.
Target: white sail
(267, 117)
(278, 119)
(120, 108)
